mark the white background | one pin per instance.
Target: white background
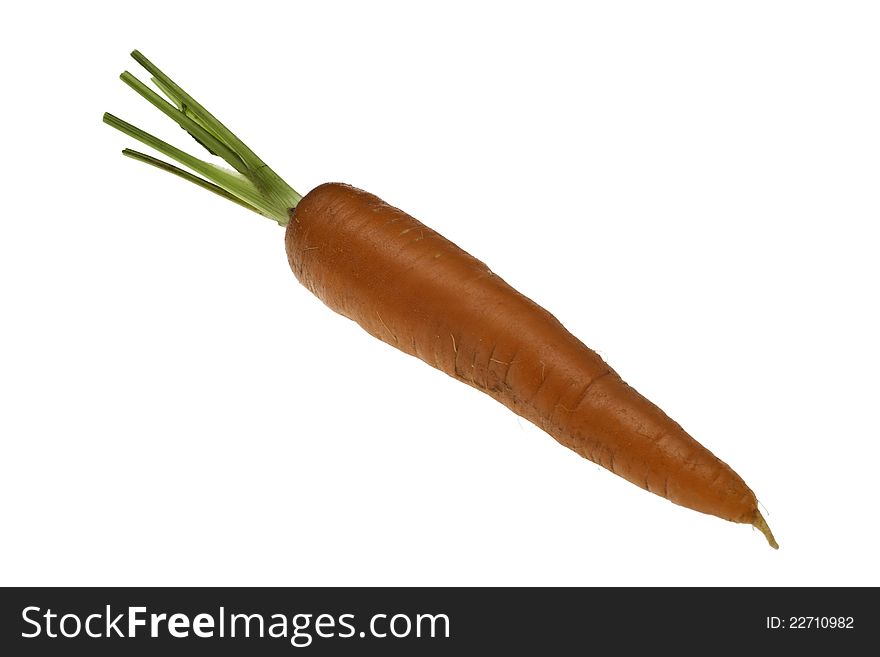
(691, 187)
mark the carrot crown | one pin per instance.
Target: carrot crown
(252, 184)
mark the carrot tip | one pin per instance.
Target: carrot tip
(761, 524)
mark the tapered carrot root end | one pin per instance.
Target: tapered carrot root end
(761, 524)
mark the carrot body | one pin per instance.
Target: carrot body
(412, 288)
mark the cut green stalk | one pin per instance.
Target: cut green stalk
(180, 105)
(186, 175)
(210, 141)
(232, 182)
(252, 185)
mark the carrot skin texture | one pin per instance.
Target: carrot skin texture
(412, 288)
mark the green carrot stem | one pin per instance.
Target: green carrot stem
(252, 184)
(186, 175)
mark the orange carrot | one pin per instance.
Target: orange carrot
(412, 288)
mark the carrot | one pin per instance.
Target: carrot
(410, 287)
